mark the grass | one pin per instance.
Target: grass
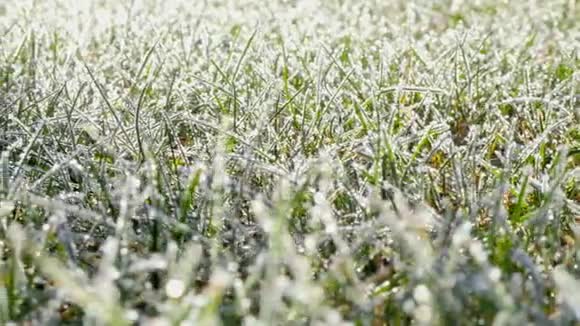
(290, 162)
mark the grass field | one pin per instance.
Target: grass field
(291, 162)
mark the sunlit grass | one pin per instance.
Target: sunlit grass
(290, 162)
